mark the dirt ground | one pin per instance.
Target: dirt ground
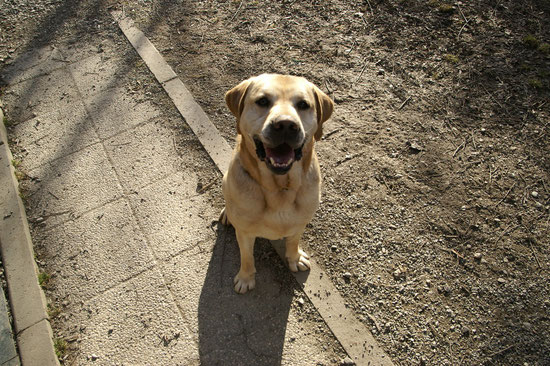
(434, 222)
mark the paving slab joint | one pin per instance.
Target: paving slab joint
(26, 298)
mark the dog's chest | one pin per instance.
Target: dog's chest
(288, 212)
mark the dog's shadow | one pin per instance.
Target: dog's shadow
(244, 329)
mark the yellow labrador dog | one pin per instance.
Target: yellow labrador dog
(272, 187)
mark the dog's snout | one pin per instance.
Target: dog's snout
(283, 130)
(285, 125)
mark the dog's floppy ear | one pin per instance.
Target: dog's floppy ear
(324, 106)
(234, 99)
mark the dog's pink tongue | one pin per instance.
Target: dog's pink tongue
(282, 154)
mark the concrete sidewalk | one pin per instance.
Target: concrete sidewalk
(122, 201)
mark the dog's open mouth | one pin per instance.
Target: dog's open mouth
(279, 158)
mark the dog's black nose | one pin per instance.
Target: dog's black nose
(285, 126)
(284, 131)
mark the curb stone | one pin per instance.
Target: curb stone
(28, 303)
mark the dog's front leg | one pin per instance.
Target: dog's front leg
(245, 280)
(297, 259)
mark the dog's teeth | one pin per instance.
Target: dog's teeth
(272, 161)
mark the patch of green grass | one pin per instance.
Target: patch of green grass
(19, 175)
(453, 59)
(16, 163)
(53, 311)
(535, 83)
(446, 8)
(23, 197)
(60, 345)
(525, 67)
(531, 41)
(544, 48)
(437, 76)
(6, 121)
(43, 279)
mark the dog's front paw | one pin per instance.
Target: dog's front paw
(300, 262)
(244, 282)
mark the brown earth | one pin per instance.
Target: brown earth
(434, 222)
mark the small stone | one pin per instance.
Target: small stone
(347, 276)
(381, 72)
(535, 194)
(301, 301)
(398, 274)
(93, 357)
(333, 248)
(538, 205)
(477, 256)
(501, 280)
(347, 362)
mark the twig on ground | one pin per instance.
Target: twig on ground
(203, 189)
(347, 157)
(466, 21)
(461, 146)
(506, 195)
(373, 319)
(237, 12)
(362, 70)
(403, 104)
(370, 7)
(493, 98)
(534, 254)
(506, 232)
(502, 350)
(331, 133)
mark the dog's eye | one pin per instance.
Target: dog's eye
(302, 105)
(262, 102)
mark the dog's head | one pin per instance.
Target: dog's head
(278, 114)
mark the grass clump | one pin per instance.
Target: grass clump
(453, 59)
(531, 41)
(544, 48)
(44, 279)
(535, 83)
(53, 311)
(60, 345)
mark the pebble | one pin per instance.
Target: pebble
(477, 256)
(347, 275)
(347, 362)
(535, 194)
(301, 301)
(501, 280)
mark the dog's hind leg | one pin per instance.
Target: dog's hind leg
(223, 218)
